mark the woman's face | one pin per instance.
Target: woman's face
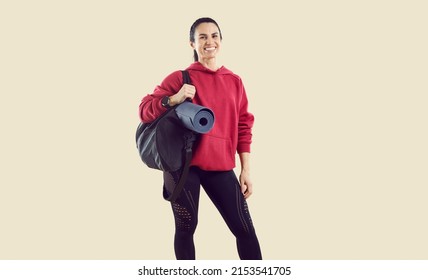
(207, 40)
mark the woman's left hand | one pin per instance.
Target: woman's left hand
(246, 184)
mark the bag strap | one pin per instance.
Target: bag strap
(189, 139)
(186, 77)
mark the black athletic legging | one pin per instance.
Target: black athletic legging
(224, 191)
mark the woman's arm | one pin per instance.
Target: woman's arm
(150, 107)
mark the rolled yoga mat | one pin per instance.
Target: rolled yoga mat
(195, 117)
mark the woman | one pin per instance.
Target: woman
(214, 155)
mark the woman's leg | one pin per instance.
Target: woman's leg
(225, 192)
(185, 210)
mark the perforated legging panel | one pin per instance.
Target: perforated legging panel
(224, 191)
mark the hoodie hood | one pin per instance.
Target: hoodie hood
(197, 66)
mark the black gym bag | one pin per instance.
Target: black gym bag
(166, 144)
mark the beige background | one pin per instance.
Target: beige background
(339, 162)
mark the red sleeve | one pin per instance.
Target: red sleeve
(245, 125)
(150, 106)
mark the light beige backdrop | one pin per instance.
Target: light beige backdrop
(340, 158)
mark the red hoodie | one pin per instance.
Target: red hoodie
(223, 92)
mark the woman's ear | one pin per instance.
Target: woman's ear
(192, 44)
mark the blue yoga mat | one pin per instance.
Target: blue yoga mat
(195, 117)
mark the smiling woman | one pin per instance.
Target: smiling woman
(213, 159)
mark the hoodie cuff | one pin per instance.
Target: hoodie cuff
(244, 148)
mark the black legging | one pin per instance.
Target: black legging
(224, 191)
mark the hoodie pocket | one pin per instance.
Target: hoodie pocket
(214, 152)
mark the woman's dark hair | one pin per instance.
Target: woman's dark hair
(193, 29)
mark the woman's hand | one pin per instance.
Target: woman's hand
(186, 91)
(246, 184)
(244, 178)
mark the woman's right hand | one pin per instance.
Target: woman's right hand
(186, 91)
